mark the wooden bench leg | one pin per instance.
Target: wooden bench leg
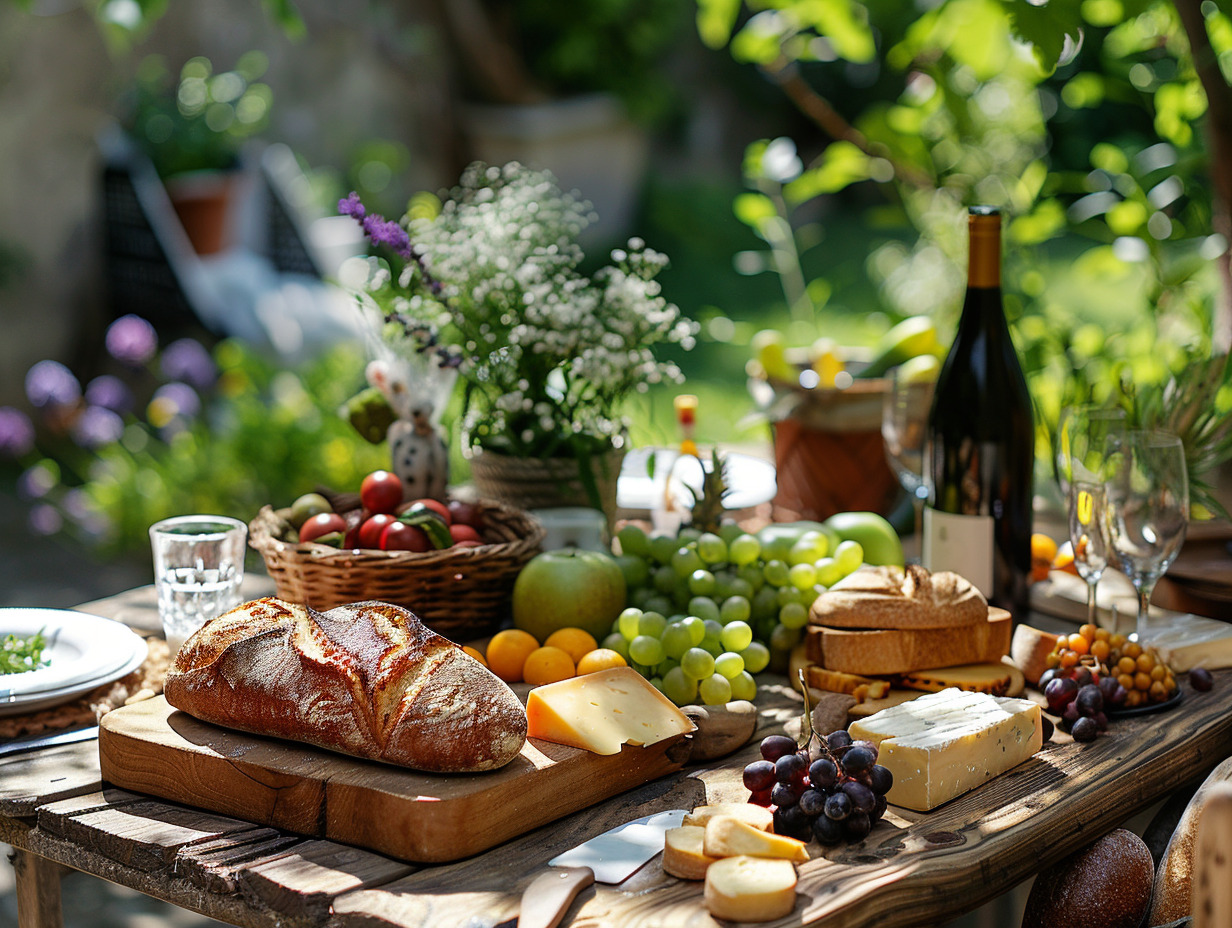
(38, 891)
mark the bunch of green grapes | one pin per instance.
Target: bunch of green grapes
(725, 578)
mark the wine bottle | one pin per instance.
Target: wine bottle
(980, 451)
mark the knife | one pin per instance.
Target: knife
(611, 857)
(34, 742)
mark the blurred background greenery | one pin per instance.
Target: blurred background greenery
(807, 168)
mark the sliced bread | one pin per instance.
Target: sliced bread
(902, 650)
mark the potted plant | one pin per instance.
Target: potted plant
(192, 127)
(488, 282)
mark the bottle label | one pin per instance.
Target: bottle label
(959, 543)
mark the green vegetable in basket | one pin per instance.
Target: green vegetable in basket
(21, 653)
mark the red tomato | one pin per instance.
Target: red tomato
(398, 536)
(464, 533)
(381, 491)
(434, 504)
(323, 523)
(371, 529)
(466, 513)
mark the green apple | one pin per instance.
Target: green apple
(778, 537)
(876, 536)
(568, 588)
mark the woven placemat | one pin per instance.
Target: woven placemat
(143, 683)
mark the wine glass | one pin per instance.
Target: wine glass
(1082, 438)
(904, 428)
(1147, 490)
(1088, 533)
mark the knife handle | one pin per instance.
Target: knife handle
(548, 896)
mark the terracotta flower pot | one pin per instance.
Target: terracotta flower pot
(202, 200)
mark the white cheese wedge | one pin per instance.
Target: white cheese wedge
(1189, 641)
(943, 744)
(601, 711)
(750, 889)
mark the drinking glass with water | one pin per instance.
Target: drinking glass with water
(198, 569)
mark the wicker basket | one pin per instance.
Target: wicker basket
(546, 483)
(462, 593)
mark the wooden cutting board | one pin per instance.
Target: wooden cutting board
(150, 747)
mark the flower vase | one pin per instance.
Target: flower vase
(420, 458)
(547, 483)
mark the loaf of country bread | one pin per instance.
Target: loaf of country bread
(368, 679)
(886, 597)
(902, 650)
(1107, 883)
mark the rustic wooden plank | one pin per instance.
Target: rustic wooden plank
(304, 882)
(29, 780)
(53, 815)
(213, 864)
(145, 835)
(38, 891)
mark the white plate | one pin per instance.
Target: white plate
(83, 651)
(751, 479)
(45, 699)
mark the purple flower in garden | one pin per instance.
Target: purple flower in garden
(16, 433)
(110, 393)
(131, 340)
(97, 426)
(186, 359)
(171, 401)
(45, 519)
(50, 383)
(37, 481)
(380, 231)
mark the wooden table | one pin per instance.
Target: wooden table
(913, 869)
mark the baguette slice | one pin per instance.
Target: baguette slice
(836, 681)
(750, 889)
(901, 650)
(759, 817)
(367, 679)
(887, 597)
(683, 852)
(1029, 650)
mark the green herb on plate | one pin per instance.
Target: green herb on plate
(21, 653)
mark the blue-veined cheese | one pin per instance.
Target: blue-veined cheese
(943, 744)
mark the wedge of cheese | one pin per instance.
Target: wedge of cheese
(750, 889)
(603, 710)
(1189, 641)
(944, 744)
(835, 681)
(683, 852)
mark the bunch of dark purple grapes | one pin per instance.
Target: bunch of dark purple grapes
(835, 793)
(1081, 700)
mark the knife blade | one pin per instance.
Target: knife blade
(611, 857)
(34, 742)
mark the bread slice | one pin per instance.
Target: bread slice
(834, 681)
(1029, 650)
(886, 597)
(1001, 679)
(902, 650)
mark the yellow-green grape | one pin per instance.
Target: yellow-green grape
(663, 579)
(715, 690)
(696, 627)
(735, 609)
(647, 650)
(628, 622)
(765, 603)
(793, 615)
(676, 640)
(662, 547)
(712, 548)
(704, 608)
(743, 550)
(633, 541)
(657, 603)
(729, 531)
(784, 638)
(828, 571)
(698, 663)
(787, 595)
(802, 575)
(776, 572)
(808, 548)
(679, 687)
(729, 664)
(618, 643)
(701, 582)
(635, 569)
(738, 586)
(756, 657)
(657, 683)
(743, 686)
(688, 535)
(652, 624)
(849, 555)
(736, 636)
(686, 560)
(752, 575)
(665, 665)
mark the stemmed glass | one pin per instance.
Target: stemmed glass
(904, 428)
(1147, 489)
(1082, 443)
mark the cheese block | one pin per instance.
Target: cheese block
(943, 744)
(683, 854)
(895, 697)
(1001, 679)
(750, 889)
(836, 681)
(758, 816)
(603, 710)
(1029, 650)
(901, 650)
(1189, 641)
(728, 836)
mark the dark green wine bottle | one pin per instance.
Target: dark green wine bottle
(980, 454)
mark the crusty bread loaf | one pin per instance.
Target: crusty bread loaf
(901, 650)
(1174, 876)
(1107, 883)
(886, 597)
(367, 679)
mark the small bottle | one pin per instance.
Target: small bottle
(980, 455)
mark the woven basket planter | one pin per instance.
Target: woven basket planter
(547, 483)
(461, 593)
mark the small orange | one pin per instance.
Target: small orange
(507, 652)
(1043, 550)
(1064, 561)
(547, 665)
(573, 641)
(600, 659)
(475, 653)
